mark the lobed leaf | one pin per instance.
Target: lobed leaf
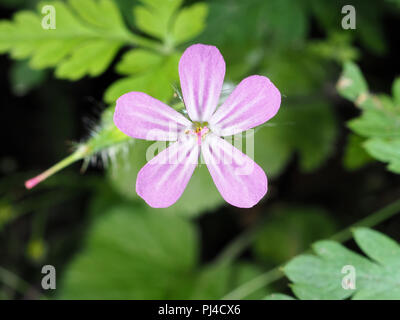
(352, 84)
(355, 155)
(115, 263)
(379, 122)
(320, 276)
(189, 22)
(155, 16)
(386, 151)
(86, 38)
(158, 81)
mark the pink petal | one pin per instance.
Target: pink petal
(241, 181)
(163, 179)
(254, 101)
(202, 72)
(140, 116)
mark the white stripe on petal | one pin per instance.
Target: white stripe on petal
(202, 72)
(254, 101)
(140, 116)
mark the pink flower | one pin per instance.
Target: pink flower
(238, 178)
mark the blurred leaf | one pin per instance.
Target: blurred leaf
(278, 296)
(282, 21)
(303, 77)
(369, 21)
(23, 78)
(7, 212)
(15, 4)
(158, 81)
(336, 47)
(320, 276)
(395, 2)
(355, 155)
(396, 92)
(154, 16)
(352, 84)
(290, 132)
(215, 281)
(386, 151)
(155, 73)
(291, 230)
(286, 20)
(222, 23)
(369, 27)
(138, 60)
(131, 253)
(379, 121)
(189, 22)
(36, 249)
(86, 37)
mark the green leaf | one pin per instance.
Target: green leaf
(286, 20)
(158, 81)
(352, 84)
(379, 122)
(289, 132)
(355, 155)
(369, 22)
(280, 21)
(320, 276)
(215, 281)
(23, 78)
(86, 37)
(370, 27)
(189, 22)
(278, 296)
(87, 60)
(154, 16)
(103, 14)
(138, 60)
(149, 71)
(131, 253)
(227, 13)
(377, 246)
(305, 77)
(386, 151)
(394, 2)
(337, 47)
(396, 92)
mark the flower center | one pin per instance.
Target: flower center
(200, 130)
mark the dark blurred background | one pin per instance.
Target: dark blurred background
(42, 115)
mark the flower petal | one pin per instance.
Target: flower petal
(202, 72)
(143, 117)
(241, 181)
(254, 101)
(163, 179)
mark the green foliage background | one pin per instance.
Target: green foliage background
(331, 153)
